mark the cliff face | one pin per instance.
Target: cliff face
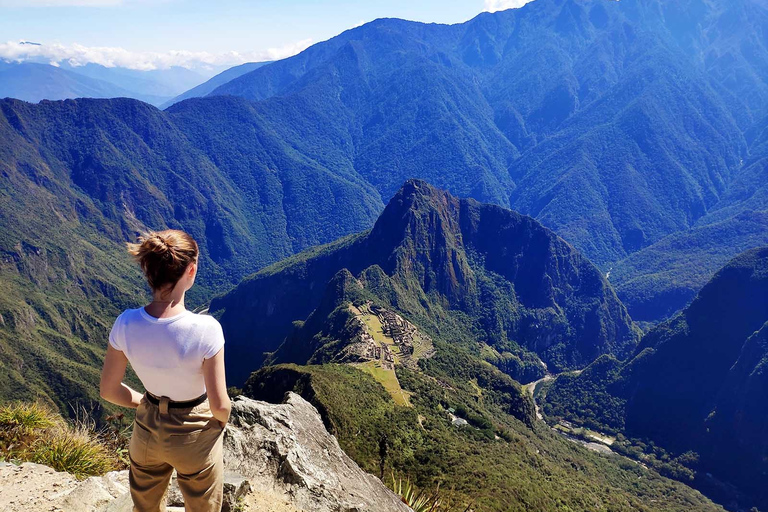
(277, 457)
(486, 274)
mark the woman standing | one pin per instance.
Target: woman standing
(179, 357)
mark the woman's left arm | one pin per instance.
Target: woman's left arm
(112, 389)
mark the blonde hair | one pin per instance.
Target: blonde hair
(164, 256)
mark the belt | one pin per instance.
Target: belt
(172, 404)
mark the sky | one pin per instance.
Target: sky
(157, 34)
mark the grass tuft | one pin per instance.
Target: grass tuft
(31, 432)
(77, 452)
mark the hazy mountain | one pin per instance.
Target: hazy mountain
(477, 274)
(696, 383)
(34, 82)
(214, 82)
(154, 83)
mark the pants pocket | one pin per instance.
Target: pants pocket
(137, 448)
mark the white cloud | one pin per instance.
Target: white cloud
(500, 5)
(79, 55)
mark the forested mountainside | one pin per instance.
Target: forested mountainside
(82, 176)
(616, 124)
(473, 274)
(697, 383)
(621, 122)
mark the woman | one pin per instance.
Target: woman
(179, 357)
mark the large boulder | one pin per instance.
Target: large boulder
(286, 448)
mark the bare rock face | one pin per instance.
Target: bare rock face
(278, 458)
(35, 487)
(287, 448)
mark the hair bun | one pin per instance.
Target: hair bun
(164, 255)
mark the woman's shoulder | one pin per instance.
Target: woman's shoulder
(127, 315)
(203, 319)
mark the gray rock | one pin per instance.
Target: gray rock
(286, 448)
(235, 487)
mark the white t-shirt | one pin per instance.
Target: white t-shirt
(167, 353)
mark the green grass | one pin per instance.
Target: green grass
(32, 432)
(386, 378)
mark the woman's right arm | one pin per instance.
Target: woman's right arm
(216, 385)
(111, 388)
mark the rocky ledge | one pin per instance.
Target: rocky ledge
(278, 458)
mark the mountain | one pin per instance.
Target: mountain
(35, 82)
(218, 80)
(662, 278)
(96, 172)
(476, 274)
(616, 124)
(394, 353)
(696, 383)
(156, 84)
(612, 146)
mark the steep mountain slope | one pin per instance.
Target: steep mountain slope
(96, 172)
(214, 82)
(696, 382)
(660, 279)
(626, 109)
(495, 462)
(475, 274)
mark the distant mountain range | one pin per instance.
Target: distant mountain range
(209, 86)
(697, 384)
(33, 81)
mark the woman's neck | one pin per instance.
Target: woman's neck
(163, 306)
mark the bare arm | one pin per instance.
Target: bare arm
(111, 387)
(216, 385)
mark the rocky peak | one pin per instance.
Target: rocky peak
(420, 233)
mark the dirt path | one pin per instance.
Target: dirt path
(531, 389)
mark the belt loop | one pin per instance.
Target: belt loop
(164, 405)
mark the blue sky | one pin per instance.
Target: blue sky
(253, 29)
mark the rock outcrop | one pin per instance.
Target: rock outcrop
(278, 458)
(286, 447)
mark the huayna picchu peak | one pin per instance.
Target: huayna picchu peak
(479, 275)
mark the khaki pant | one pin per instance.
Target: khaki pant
(188, 440)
